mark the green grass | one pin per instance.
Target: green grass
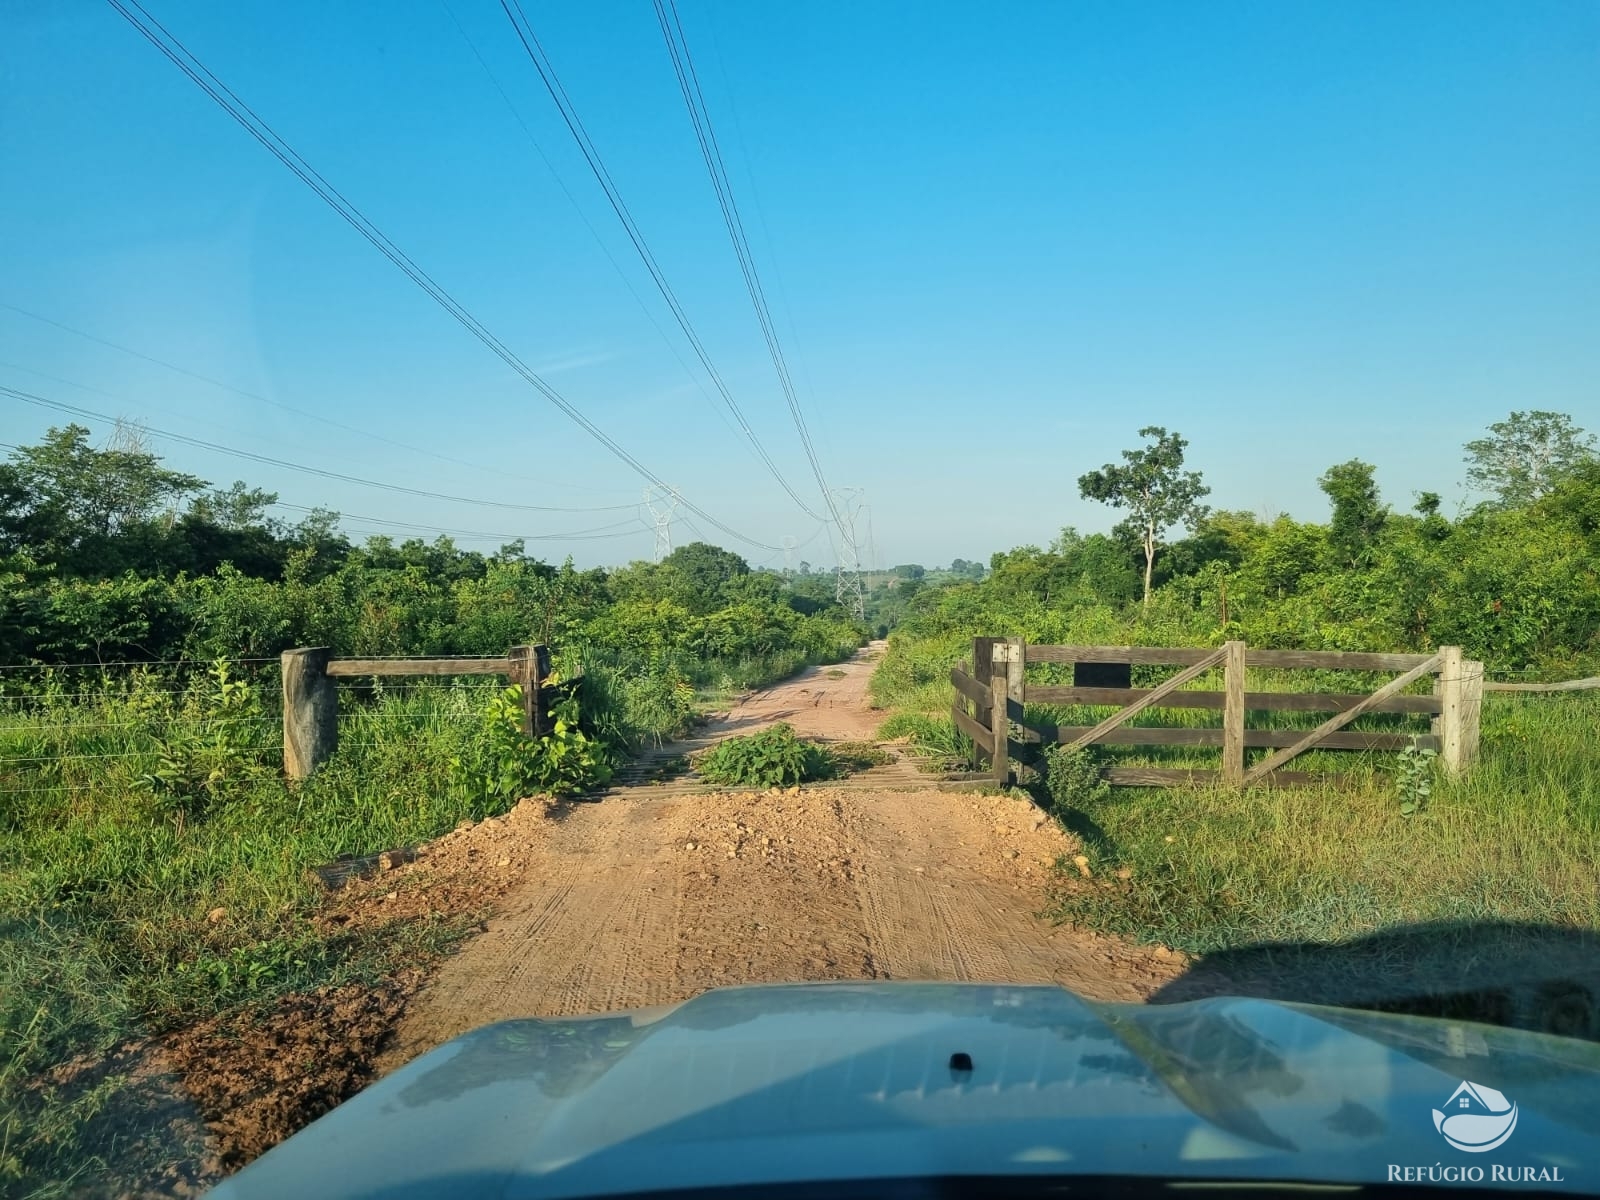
(1517, 839)
(134, 805)
(106, 881)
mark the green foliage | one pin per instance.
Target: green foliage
(1213, 868)
(1358, 514)
(774, 757)
(1413, 778)
(1072, 779)
(1526, 456)
(501, 764)
(213, 751)
(1152, 485)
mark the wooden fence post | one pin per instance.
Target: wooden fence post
(529, 666)
(1451, 694)
(310, 711)
(541, 698)
(1016, 684)
(982, 658)
(1461, 701)
(1000, 697)
(1233, 717)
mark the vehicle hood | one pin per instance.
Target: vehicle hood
(816, 1082)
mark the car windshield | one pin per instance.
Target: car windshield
(524, 510)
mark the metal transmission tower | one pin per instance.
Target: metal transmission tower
(789, 544)
(662, 501)
(847, 579)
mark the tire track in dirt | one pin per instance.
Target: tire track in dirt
(644, 899)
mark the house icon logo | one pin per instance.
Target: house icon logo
(1476, 1118)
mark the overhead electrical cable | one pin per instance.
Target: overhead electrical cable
(569, 114)
(711, 152)
(200, 443)
(176, 53)
(636, 524)
(292, 448)
(554, 537)
(244, 392)
(583, 216)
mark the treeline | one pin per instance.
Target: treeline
(106, 555)
(1514, 578)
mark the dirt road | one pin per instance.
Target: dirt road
(649, 897)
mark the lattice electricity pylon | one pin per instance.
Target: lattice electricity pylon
(789, 544)
(662, 501)
(847, 587)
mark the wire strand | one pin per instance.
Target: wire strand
(249, 395)
(711, 153)
(541, 63)
(217, 447)
(180, 56)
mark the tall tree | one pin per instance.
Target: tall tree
(1525, 455)
(1358, 513)
(234, 508)
(1152, 485)
(66, 500)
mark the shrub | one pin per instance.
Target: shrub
(775, 757)
(502, 764)
(1072, 779)
(1414, 778)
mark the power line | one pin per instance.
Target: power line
(711, 152)
(847, 583)
(237, 391)
(560, 537)
(584, 217)
(179, 55)
(90, 414)
(633, 524)
(633, 527)
(541, 63)
(84, 387)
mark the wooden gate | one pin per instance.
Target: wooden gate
(999, 692)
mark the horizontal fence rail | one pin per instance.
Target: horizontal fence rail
(996, 687)
(1569, 685)
(1186, 656)
(311, 698)
(419, 666)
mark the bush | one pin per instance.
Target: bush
(1072, 779)
(774, 757)
(501, 764)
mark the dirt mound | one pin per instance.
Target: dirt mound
(198, 1103)
(255, 1078)
(463, 872)
(647, 899)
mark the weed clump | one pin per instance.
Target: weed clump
(775, 757)
(1072, 780)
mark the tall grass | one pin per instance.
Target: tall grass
(1516, 839)
(111, 878)
(154, 864)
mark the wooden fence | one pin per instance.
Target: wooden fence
(996, 686)
(311, 700)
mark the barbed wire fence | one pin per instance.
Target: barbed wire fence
(86, 727)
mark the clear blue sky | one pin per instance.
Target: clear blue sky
(997, 239)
